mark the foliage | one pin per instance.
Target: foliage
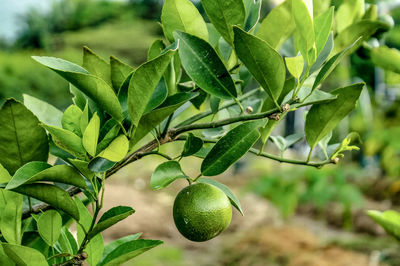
(121, 114)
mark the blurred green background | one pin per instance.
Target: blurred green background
(329, 204)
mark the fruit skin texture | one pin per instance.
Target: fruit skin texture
(201, 212)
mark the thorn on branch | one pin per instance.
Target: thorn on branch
(275, 117)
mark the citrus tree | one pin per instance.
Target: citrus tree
(197, 87)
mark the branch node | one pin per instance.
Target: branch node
(335, 160)
(275, 117)
(249, 109)
(286, 107)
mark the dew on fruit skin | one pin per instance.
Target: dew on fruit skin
(186, 220)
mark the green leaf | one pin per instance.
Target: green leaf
(263, 62)
(113, 245)
(182, 15)
(71, 120)
(348, 13)
(389, 220)
(85, 117)
(4, 259)
(214, 104)
(128, 250)
(109, 218)
(233, 199)
(119, 72)
(295, 65)
(61, 174)
(155, 49)
(278, 26)
(231, 148)
(4, 175)
(323, 118)
(22, 140)
(91, 135)
(331, 64)
(204, 66)
(79, 98)
(323, 55)
(49, 226)
(117, 149)
(253, 13)
(11, 216)
(165, 174)
(225, 14)
(67, 241)
(346, 145)
(100, 165)
(23, 174)
(386, 58)
(363, 29)
(143, 83)
(22, 255)
(108, 138)
(302, 14)
(44, 111)
(192, 145)
(322, 28)
(284, 143)
(96, 65)
(311, 97)
(67, 141)
(82, 167)
(155, 117)
(52, 195)
(97, 89)
(158, 97)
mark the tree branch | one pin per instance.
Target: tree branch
(170, 136)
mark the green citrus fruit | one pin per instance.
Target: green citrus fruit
(201, 212)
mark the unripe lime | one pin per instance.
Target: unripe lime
(201, 212)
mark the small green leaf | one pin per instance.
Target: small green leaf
(331, 64)
(155, 49)
(323, 55)
(22, 140)
(363, 30)
(109, 218)
(23, 174)
(155, 117)
(303, 18)
(44, 111)
(214, 104)
(348, 13)
(192, 145)
(165, 174)
(100, 165)
(263, 62)
(4, 175)
(91, 135)
(312, 97)
(67, 241)
(386, 58)
(79, 98)
(128, 250)
(204, 66)
(108, 138)
(52, 195)
(253, 13)
(49, 226)
(96, 65)
(119, 72)
(97, 89)
(231, 148)
(82, 167)
(117, 149)
(322, 28)
(22, 255)
(295, 65)
(233, 199)
(158, 97)
(284, 143)
(71, 120)
(323, 118)
(182, 15)
(67, 141)
(11, 216)
(143, 83)
(389, 220)
(278, 26)
(61, 174)
(85, 117)
(346, 145)
(113, 245)
(225, 14)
